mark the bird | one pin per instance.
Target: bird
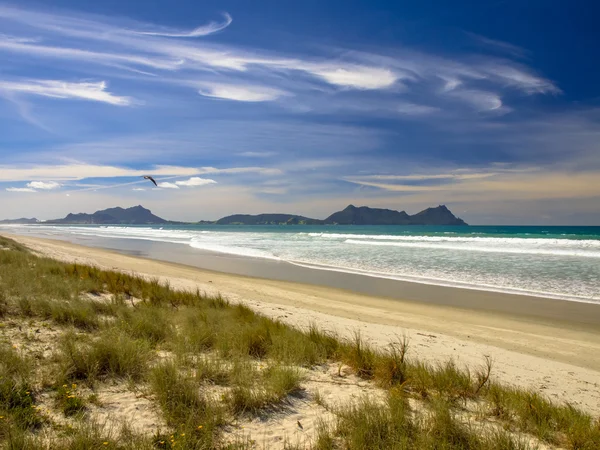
(148, 177)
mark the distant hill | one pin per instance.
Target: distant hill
(368, 216)
(19, 221)
(137, 215)
(436, 216)
(267, 219)
(351, 215)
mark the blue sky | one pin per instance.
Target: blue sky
(491, 108)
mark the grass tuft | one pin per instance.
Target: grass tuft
(195, 417)
(360, 357)
(69, 401)
(17, 396)
(113, 353)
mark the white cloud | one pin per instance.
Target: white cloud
(238, 170)
(127, 45)
(195, 181)
(242, 93)
(138, 189)
(12, 189)
(119, 60)
(204, 30)
(43, 185)
(80, 171)
(479, 100)
(506, 47)
(521, 79)
(63, 90)
(167, 185)
(357, 77)
(257, 154)
(505, 185)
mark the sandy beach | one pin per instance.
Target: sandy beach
(557, 354)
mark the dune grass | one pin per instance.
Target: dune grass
(18, 410)
(117, 326)
(111, 354)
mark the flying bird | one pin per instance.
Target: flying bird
(148, 177)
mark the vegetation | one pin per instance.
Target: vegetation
(207, 365)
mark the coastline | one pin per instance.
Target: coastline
(558, 355)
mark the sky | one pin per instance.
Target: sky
(491, 108)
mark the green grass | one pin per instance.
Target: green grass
(148, 323)
(213, 370)
(255, 392)
(195, 417)
(69, 401)
(18, 407)
(255, 360)
(112, 353)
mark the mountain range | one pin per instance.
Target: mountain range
(351, 215)
(21, 221)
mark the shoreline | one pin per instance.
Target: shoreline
(560, 358)
(554, 311)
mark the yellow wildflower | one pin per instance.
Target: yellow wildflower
(73, 385)
(199, 427)
(105, 443)
(183, 434)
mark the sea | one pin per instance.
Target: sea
(554, 262)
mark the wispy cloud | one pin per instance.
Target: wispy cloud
(13, 189)
(242, 93)
(195, 181)
(478, 100)
(413, 109)
(125, 45)
(44, 185)
(521, 79)
(257, 154)
(65, 90)
(203, 30)
(239, 170)
(80, 171)
(167, 185)
(493, 184)
(358, 77)
(502, 46)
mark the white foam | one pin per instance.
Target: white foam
(514, 249)
(233, 250)
(447, 283)
(512, 241)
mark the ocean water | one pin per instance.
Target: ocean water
(556, 262)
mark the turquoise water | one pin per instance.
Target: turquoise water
(557, 262)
